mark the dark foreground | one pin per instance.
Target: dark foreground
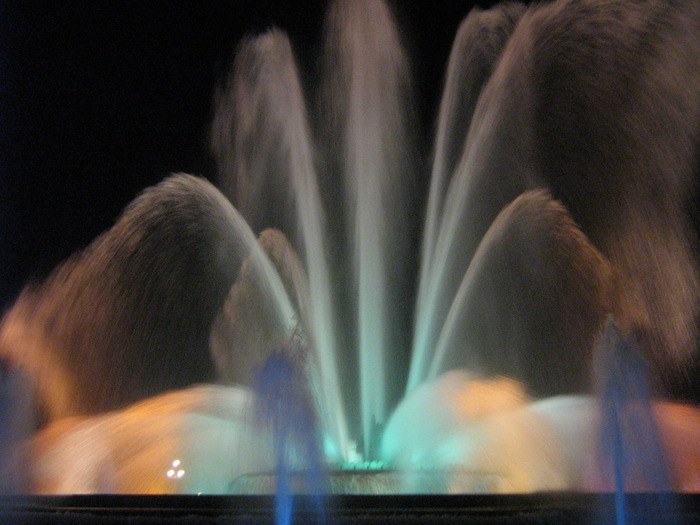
(566, 508)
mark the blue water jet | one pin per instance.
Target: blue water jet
(630, 444)
(286, 410)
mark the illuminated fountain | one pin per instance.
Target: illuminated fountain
(508, 284)
(465, 367)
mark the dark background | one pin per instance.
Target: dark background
(99, 100)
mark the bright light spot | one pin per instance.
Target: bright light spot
(172, 473)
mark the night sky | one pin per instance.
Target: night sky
(99, 100)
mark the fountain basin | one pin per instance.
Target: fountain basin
(547, 508)
(374, 482)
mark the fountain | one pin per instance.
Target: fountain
(493, 246)
(467, 367)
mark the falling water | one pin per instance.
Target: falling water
(497, 154)
(98, 312)
(263, 105)
(367, 126)
(471, 61)
(486, 321)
